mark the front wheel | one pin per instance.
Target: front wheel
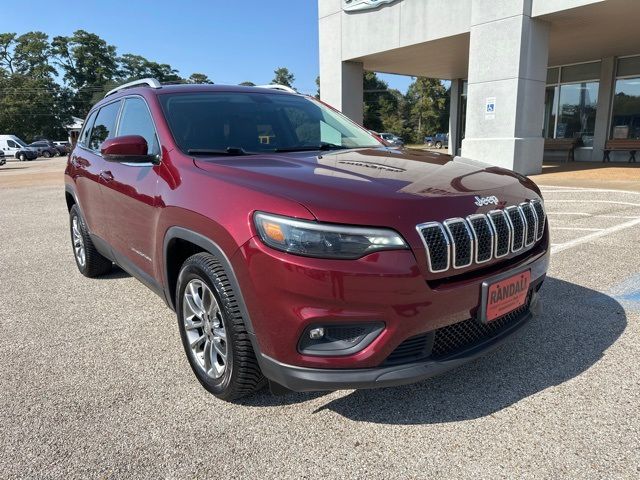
(438, 145)
(213, 331)
(46, 154)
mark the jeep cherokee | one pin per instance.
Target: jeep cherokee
(296, 248)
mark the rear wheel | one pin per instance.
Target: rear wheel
(22, 157)
(213, 331)
(89, 261)
(46, 154)
(438, 145)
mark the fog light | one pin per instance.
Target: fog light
(316, 333)
(338, 338)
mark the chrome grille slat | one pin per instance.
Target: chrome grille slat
(437, 244)
(460, 242)
(502, 230)
(539, 210)
(483, 237)
(516, 219)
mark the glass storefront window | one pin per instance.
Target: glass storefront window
(550, 109)
(625, 121)
(578, 104)
(571, 102)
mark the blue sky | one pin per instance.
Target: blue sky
(229, 40)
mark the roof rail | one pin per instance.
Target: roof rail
(149, 82)
(275, 86)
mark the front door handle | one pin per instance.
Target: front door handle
(106, 175)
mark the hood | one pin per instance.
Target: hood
(377, 187)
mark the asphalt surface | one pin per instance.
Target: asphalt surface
(94, 381)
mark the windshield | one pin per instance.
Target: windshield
(20, 142)
(235, 123)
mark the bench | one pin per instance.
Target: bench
(564, 144)
(621, 145)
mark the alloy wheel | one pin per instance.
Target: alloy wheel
(78, 242)
(205, 329)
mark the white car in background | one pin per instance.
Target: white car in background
(12, 145)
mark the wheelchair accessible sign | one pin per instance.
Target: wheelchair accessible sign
(490, 108)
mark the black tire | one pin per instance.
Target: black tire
(22, 157)
(242, 375)
(94, 264)
(46, 154)
(438, 145)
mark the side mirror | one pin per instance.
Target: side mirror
(127, 149)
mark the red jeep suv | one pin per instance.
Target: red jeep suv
(295, 248)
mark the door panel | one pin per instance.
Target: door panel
(129, 191)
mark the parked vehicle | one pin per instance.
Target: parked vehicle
(438, 140)
(45, 148)
(392, 139)
(12, 145)
(316, 260)
(63, 147)
(3, 160)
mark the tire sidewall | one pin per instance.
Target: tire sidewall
(73, 213)
(191, 272)
(46, 154)
(22, 157)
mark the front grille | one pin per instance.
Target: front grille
(462, 336)
(459, 242)
(411, 350)
(462, 242)
(516, 219)
(500, 224)
(453, 339)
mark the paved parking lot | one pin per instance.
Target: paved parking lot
(94, 381)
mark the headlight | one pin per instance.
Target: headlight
(313, 239)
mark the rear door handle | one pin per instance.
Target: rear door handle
(106, 175)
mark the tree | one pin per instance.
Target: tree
(373, 90)
(32, 55)
(283, 77)
(199, 78)
(318, 85)
(7, 43)
(33, 107)
(135, 67)
(248, 84)
(88, 63)
(427, 98)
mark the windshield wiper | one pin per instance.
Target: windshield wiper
(231, 151)
(310, 148)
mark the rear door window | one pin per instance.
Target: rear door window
(105, 125)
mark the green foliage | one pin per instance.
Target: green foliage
(248, 84)
(33, 107)
(423, 110)
(283, 77)
(199, 78)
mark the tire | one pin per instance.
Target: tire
(46, 154)
(22, 157)
(438, 145)
(226, 366)
(89, 262)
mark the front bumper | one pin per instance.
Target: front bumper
(301, 379)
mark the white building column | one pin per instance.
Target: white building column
(605, 97)
(508, 56)
(340, 82)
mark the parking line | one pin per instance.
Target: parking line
(581, 189)
(594, 201)
(594, 235)
(579, 228)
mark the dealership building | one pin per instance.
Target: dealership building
(529, 78)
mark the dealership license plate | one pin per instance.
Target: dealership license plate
(506, 295)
